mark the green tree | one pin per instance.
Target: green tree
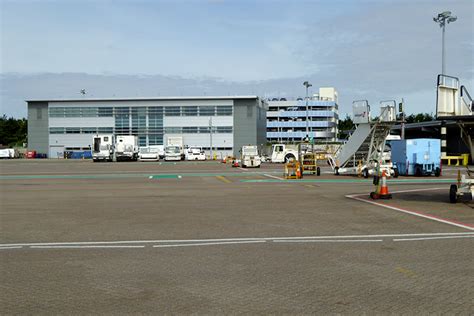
(344, 126)
(13, 131)
(420, 117)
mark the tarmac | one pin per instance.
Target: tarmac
(78, 237)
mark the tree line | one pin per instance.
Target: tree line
(13, 131)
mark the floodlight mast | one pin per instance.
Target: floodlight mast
(442, 19)
(307, 85)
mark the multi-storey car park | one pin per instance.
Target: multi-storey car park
(229, 122)
(287, 119)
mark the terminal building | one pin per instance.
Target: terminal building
(287, 119)
(69, 125)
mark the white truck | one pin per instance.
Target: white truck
(250, 157)
(150, 153)
(102, 148)
(126, 147)
(284, 152)
(174, 150)
(194, 153)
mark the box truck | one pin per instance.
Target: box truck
(126, 147)
(174, 149)
(417, 157)
(102, 148)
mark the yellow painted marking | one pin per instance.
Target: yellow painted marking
(223, 179)
(406, 272)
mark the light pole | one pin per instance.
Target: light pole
(210, 136)
(307, 85)
(442, 19)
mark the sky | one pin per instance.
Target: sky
(374, 50)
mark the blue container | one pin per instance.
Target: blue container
(417, 157)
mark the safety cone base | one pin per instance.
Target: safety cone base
(377, 196)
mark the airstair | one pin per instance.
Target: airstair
(363, 152)
(453, 103)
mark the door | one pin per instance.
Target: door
(56, 151)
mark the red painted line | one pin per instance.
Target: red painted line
(416, 213)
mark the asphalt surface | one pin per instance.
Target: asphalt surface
(79, 237)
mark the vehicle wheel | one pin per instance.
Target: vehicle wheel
(437, 172)
(318, 171)
(395, 173)
(258, 166)
(244, 166)
(418, 172)
(289, 157)
(453, 190)
(365, 173)
(336, 171)
(94, 160)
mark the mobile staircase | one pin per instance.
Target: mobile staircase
(362, 153)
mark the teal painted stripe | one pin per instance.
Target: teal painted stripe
(130, 175)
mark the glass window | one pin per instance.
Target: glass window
(89, 130)
(190, 110)
(190, 130)
(105, 130)
(56, 130)
(172, 111)
(204, 130)
(73, 130)
(89, 112)
(207, 110)
(224, 110)
(223, 129)
(72, 112)
(105, 111)
(173, 130)
(56, 112)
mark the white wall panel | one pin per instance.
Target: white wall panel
(81, 122)
(179, 121)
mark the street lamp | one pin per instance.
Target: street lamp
(442, 19)
(307, 85)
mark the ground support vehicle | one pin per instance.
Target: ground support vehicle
(103, 148)
(126, 148)
(195, 153)
(363, 153)
(292, 170)
(464, 187)
(174, 148)
(284, 153)
(417, 157)
(250, 157)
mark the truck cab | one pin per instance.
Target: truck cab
(283, 153)
(173, 153)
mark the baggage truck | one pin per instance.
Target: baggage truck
(250, 157)
(174, 149)
(417, 157)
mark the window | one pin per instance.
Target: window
(224, 110)
(105, 112)
(190, 130)
(56, 130)
(173, 130)
(72, 112)
(89, 112)
(172, 111)
(190, 110)
(56, 112)
(207, 110)
(223, 129)
(204, 130)
(105, 130)
(73, 130)
(89, 130)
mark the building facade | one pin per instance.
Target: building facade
(286, 119)
(230, 122)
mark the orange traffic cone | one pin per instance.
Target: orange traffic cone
(382, 191)
(223, 160)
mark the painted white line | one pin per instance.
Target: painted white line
(125, 242)
(328, 240)
(11, 247)
(430, 217)
(274, 177)
(431, 238)
(210, 244)
(85, 246)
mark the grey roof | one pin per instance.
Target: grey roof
(236, 97)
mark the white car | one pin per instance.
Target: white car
(148, 154)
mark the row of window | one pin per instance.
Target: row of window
(126, 130)
(220, 110)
